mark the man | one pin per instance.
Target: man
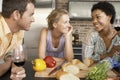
(16, 16)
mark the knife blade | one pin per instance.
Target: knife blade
(56, 68)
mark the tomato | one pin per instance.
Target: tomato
(50, 62)
(39, 65)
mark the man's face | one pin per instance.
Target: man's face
(27, 18)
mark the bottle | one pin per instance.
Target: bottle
(76, 37)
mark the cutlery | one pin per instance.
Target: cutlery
(56, 68)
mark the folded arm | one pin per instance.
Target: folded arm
(69, 55)
(5, 66)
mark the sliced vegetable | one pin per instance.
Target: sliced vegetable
(99, 72)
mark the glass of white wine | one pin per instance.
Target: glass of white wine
(18, 56)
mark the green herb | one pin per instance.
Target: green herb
(99, 72)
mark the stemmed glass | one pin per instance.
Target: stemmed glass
(18, 56)
(117, 24)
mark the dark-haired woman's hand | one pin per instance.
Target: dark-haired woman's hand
(116, 49)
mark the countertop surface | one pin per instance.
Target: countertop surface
(29, 74)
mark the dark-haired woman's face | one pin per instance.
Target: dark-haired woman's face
(100, 20)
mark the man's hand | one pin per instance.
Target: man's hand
(8, 59)
(17, 73)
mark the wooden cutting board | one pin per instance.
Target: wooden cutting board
(81, 74)
(47, 71)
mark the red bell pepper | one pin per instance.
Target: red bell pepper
(50, 61)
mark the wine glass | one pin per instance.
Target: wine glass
(18, 56)
(117, 23)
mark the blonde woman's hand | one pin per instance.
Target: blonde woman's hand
(70, 29)
(68, 34)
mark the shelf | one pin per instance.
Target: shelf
(77, 53)
(77, 47)
(78, 57)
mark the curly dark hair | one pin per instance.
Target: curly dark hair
(107, 8)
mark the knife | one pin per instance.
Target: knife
(56, 68)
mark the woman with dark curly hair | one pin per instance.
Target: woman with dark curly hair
(99, 42)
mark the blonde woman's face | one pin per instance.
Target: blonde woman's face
(63, 24)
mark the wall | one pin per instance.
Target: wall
(31, 37)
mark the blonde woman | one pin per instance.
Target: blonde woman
(56, 40)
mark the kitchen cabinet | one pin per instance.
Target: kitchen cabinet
(62, 4)
(82, 8)
(77, 49)
(45, 3)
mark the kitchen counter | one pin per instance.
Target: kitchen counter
(29, 74)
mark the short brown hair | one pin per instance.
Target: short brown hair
(54, 16)
(9, 6)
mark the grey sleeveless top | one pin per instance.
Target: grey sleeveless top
(56, 52)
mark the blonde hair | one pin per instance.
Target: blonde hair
(54, 16)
